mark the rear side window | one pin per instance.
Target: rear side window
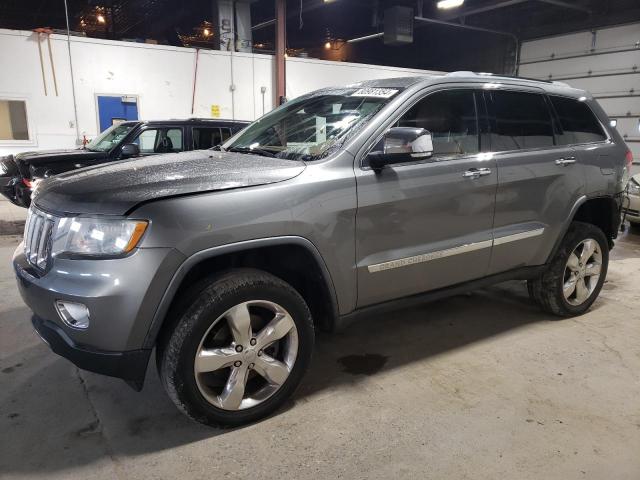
(578, 124)
(204, 138)
(522, 121)
(226, 133)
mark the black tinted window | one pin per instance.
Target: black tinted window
(204, 138)
(226, 133)
(577, 122)
(522, 120)
(451, 118)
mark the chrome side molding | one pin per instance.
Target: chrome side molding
(470, 247)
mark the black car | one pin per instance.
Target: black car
(20, 173)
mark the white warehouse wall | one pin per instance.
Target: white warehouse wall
(605, 62)
(161, 77)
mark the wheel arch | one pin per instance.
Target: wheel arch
(603, 212)
(258, 254)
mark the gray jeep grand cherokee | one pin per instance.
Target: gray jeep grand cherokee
(340, 202)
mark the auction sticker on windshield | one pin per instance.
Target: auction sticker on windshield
(375, 92)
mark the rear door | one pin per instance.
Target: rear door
(539, 180)
(427, 224)
(580, 128)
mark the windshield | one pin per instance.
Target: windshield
(111, 137)
(312, 126)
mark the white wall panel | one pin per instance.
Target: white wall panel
(162, 77)
(305, 75)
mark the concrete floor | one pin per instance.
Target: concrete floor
(11, 217)
(479, 386)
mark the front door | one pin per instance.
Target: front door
(428, 224)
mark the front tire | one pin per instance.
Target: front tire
(576, 274)
(238, 349)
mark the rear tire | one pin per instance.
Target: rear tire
(576, 274)
(237, 350)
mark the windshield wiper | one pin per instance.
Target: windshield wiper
(252, 151)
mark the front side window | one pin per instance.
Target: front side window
(13, 120)
(577, 122)
(160, 140)
(110, 138)
(522, 121)
(310, 127)
(450, 116)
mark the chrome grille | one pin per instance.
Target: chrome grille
(37, 238)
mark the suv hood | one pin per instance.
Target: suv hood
(118, 187)
(51, 156)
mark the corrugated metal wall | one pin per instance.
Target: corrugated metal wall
(606, 62)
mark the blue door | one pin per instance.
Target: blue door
(112, 109)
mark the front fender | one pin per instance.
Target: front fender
(190, 262)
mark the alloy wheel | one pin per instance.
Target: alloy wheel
(582, 272)
(246, 355)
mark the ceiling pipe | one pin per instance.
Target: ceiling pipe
(366, 37)
(465, 27)
(455, 25)
(260, 25)
(559, 3)
(488, 8)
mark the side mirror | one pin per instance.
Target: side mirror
(401, 144)
(130, 150)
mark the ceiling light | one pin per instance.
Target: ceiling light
(445, 4)
(613, 123)
(100, 19)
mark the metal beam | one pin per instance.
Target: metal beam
(488, 8)
(559, 3)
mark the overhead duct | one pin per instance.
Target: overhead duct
(398, 25)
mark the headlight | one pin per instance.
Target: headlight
(634, 187)
(97, 236)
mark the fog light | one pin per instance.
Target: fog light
(76, 315)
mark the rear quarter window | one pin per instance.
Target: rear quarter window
(578, 124)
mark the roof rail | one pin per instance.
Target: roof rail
(463, 73)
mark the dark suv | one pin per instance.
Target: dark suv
(20, 174)
(339, 203)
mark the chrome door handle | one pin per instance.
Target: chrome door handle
(476, 172)
(566, 161)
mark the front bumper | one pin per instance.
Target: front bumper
(122, 296)
(131, 366)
